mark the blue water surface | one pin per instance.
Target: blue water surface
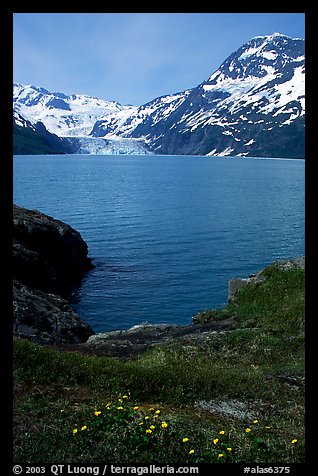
(166, 233)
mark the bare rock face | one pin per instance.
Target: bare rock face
(46, 318)
(49, 261)
(137, 339)
(235, 284)
(47, 253)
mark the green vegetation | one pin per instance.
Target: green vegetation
(29, 141)
(234, 396)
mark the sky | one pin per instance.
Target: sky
(133, 58)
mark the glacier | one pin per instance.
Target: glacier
(109, 146)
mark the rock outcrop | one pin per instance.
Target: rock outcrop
(47, 253)
(46, 318)
(128, 343)
(49, 261)
(236, 284)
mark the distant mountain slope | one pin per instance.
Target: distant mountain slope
(71, 118)
(63, 115)
(30, 138)
(253, 105)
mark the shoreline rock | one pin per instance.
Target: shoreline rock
(47, 253)
(130, 342)
(46, 318)
(49, 261)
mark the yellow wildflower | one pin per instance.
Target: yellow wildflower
(255, 421)
(97, 413)
(229, 449)
(152, 427)
(125, 396)
(157, 412)
(294, 441)
(147, 417)
(185, 440)
(220, 455)
(148, 431)
(136, 408)
(191, 452)
(155, 416)
(247, 430)
(221, 432)
(74, 431)
(84, 427)
(119, 399)
(150, 409)
(267, 426)
(119, 408)
(164, 424)
(215, 440)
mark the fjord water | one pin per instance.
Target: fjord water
(166, 233)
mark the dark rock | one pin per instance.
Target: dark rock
(129, 343)
(47, 253)
(49, 261)
(46, 318)
(29, 267)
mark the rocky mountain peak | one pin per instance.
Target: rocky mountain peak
(259, 57)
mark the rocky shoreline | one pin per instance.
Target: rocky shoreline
(49, 260)
(128, 343)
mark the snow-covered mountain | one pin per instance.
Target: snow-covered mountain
(73, 117)
(253, 105)
(63, 115)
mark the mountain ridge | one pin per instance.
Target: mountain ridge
(252, 105)
(33, 137)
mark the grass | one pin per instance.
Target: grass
(246, 383)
